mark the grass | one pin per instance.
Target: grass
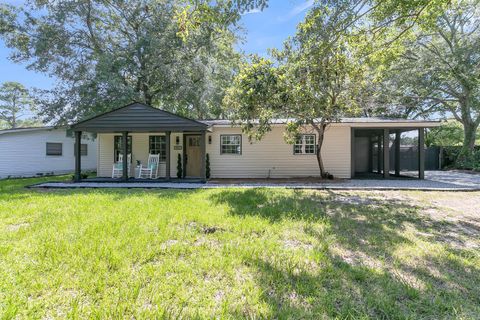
(256, 253)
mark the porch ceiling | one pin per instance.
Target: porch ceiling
(138, 117)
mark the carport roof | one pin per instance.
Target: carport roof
(138, 117)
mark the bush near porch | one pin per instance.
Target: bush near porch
(237, 253)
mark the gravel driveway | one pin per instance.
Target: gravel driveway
(454, 177)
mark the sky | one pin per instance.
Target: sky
(263, 29)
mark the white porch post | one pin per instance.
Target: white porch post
(167, 160)
(125, 155)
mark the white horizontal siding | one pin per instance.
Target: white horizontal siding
(273, 157)
(23, 154)
(270, 157)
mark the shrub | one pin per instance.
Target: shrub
(83, 175)
(207, 166)
(451, 158)
(179, 167)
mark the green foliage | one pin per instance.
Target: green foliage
(453, 159)
(448, 134)
(471, 161)
(312, 81)
(207, 166)
(83, 175)
(107, 54)
(437, 72)
(15, 101)
(179, 167)
(193, 15)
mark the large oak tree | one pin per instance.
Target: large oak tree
(439, 71)
(174, 54)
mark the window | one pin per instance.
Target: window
(305, 144)
(83, 149)
(158, 145)
(54, 149)
(194, 141)
(118, 146)
(231, 144)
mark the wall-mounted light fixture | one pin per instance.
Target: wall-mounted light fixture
(209, 139)
(177, 140)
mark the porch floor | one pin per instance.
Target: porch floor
(138, 180)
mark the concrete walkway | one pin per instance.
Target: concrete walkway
(434, 181)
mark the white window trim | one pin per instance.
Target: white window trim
(231, 154)
(304, 144)
(158, 135)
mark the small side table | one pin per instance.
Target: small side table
(137, 171)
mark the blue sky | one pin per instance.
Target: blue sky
(263, 30)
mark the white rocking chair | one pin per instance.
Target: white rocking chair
(117, 170)
(151, 170)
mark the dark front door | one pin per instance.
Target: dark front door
(193, 156)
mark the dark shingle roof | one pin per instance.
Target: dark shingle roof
(138, 117)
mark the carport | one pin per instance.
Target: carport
(376, 151)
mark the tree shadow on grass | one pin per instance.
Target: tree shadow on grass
(367, 271)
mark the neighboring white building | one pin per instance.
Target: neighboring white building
(27, 152)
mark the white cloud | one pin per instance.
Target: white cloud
(297, 10)
(253, 11)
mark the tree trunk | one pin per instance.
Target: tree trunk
(470, 130)
(321, 132)
(148, 99)
(14, 120)
(469, 137)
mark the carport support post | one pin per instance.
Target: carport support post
(379, 154)
(125, 155)
(397, 152)
(203, 152)
(78, 156)
(370, 154)
(421, 153)
(167, 155)
(386, 153)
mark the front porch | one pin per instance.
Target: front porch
(142, 180)
(141, 132)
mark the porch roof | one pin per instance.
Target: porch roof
(138, 117)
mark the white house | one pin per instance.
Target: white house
(27, 152)
(351, 147)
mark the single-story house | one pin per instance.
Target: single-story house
(351, 147)
(37, 151)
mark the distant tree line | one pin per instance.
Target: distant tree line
(17, 108)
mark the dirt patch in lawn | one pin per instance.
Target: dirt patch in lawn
(16, 227)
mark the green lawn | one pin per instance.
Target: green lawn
(256, 253)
